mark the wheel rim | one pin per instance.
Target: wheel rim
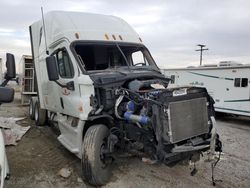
(36, 113)
(31, 109)
(102, 156)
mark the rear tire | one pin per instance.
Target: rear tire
(32, 103)
(94, 170)
(40, 115)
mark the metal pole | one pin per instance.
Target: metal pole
(201, 58)
(201, 50)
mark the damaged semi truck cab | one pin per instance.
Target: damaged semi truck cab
(100, 85)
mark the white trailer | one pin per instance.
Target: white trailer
(99, 84)
(228, 83)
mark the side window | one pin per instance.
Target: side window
(65, 66)
(244, 82)
(237, 82)
(172, 79)
(240, 82)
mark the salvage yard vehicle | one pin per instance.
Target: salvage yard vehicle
(6, 96)
(100, 85)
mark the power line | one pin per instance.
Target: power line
(202, 48)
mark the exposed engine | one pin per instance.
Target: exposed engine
(164, 122)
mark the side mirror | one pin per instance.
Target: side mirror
(52, 68)
(11, 67)
(6, 94)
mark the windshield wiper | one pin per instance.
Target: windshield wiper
(123, 55)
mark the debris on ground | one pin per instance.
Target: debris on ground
(148, 160)
(12, 132)
(65, 172)
(79, 180)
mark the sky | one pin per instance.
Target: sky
(170, 29)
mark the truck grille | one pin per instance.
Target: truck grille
(187, 119)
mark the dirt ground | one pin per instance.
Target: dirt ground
(38, 157)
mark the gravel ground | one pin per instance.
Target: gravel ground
(38, 157)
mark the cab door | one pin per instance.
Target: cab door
(68, 73)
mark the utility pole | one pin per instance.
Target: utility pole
(202, 48)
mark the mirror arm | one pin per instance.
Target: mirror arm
(69, 85)
(5, 82)
(61, 85)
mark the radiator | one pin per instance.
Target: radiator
(187, 119)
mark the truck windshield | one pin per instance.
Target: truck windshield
(109, 56)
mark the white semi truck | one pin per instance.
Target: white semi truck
(99, 84)
(6, 96)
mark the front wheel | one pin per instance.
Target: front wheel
(94, 168)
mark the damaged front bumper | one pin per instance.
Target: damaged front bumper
(197, 145)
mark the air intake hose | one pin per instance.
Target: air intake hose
(129, 116)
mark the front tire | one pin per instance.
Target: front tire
(40, 115)
(94, 169)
